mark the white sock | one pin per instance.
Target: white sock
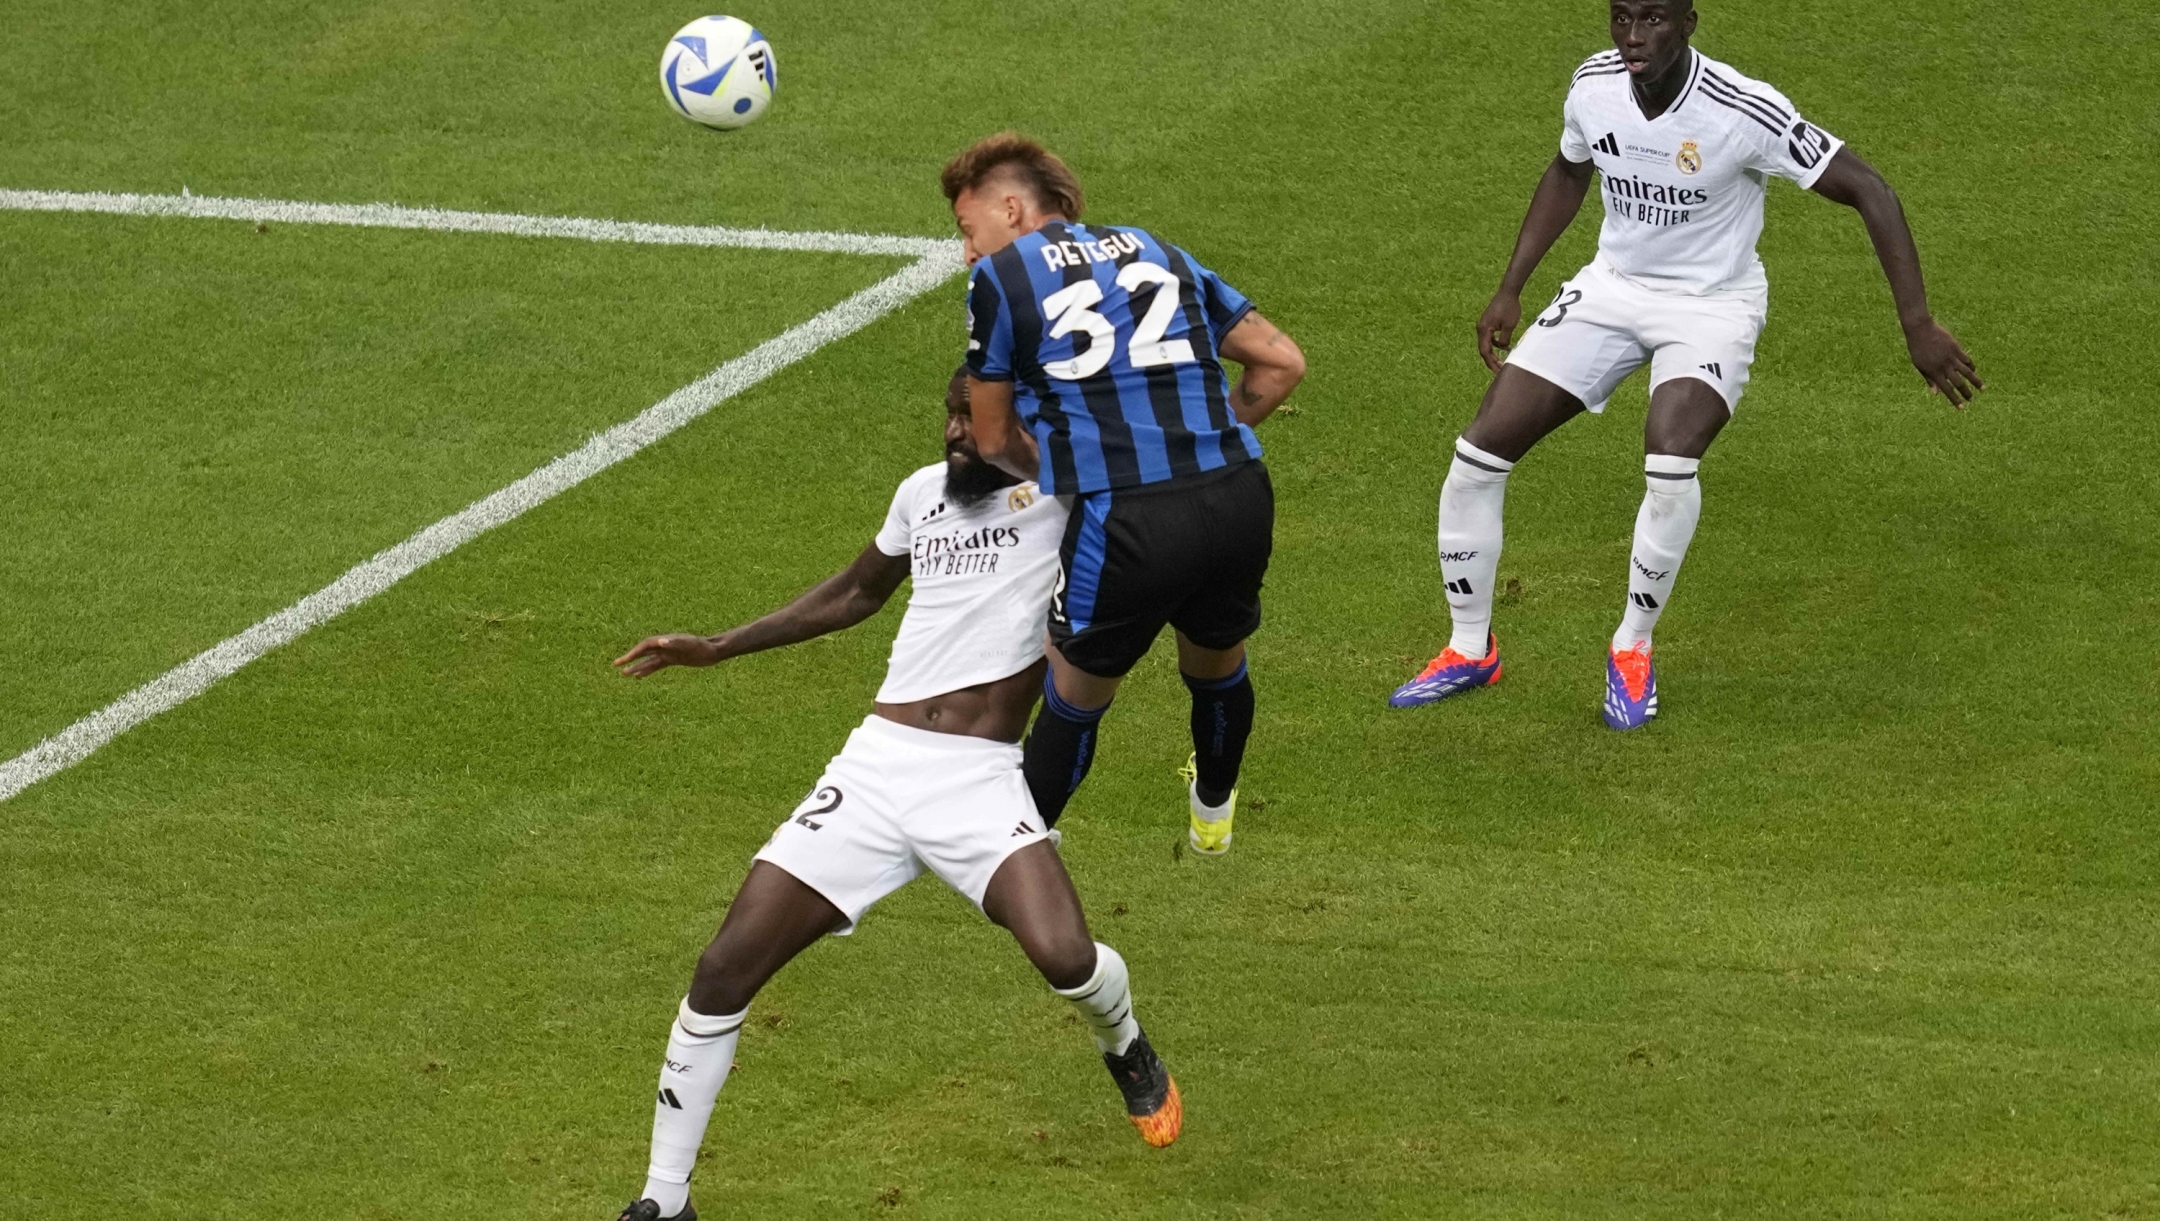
(1470, 503)
(1671, 506)
(700, 1050)
(1202, 810)
(1105, 1000)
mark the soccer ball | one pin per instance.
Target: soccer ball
(719, 71)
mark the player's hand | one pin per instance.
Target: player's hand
(656, 653)
(1496, 327)
(1943, 362)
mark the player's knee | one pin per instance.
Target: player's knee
(720, 984)
(1496, 435)
(1196, 662)
(1686, 415)
(1077, 694)
(1065, 960)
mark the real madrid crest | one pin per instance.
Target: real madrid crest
(1020, 497)
(1689, 158)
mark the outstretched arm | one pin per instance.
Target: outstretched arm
(1935, 351)
(839, 601)
(1273, 366)
(1002, 440)
(1552, 209)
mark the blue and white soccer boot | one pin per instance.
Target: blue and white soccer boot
(1451, 673)
(1630, 688)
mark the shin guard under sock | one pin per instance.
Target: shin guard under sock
(1222, 719)
(1060, 749)
(1105, 1000)
(700, 1050)
(1671, 506)
(1470, 505)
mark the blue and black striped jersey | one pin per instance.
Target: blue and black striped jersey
(1110, 339)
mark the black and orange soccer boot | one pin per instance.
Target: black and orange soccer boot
(1151, 1093)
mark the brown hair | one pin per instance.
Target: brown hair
(1038, 169)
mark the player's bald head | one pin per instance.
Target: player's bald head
(1652, 36)
(969, 480)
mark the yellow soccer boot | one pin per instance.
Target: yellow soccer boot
(1209, 832)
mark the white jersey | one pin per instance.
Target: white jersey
(983, 578)
(1684, 191)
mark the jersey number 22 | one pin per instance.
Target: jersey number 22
(1070, 307)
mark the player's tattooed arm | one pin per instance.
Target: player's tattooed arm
(1002, 440)
(839, 601)
(1553, 206)
(1942, 361)
(1274, 365)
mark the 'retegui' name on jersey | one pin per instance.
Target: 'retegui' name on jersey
(1060, 255)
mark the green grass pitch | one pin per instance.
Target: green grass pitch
(391, 923)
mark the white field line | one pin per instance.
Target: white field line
(936, 262)
(391, 216)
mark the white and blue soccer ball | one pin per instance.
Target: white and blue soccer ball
(719, 71)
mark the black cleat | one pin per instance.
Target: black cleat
(1151, 1093)
(647, 1210)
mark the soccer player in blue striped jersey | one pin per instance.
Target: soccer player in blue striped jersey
(1095, 365)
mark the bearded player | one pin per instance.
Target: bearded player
(1095, 365)
(930, 780)
(1685, 147)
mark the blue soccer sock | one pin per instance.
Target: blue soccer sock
(1222, 718)
(1060, 749)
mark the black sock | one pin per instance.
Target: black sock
(1222, 716)
(1059, 751)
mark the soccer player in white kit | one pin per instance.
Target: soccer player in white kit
(1685, 146)
(930, 780)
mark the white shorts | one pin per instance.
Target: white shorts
(1602, 327)
(897, 800)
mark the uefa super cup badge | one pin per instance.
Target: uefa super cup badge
(1689, 158)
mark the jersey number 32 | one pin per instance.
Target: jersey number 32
(1070, 306)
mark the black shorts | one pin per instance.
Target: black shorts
(1190, 553)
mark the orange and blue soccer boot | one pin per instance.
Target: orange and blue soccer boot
(1451, 673)
(1630, 688)
(1151, 1093)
